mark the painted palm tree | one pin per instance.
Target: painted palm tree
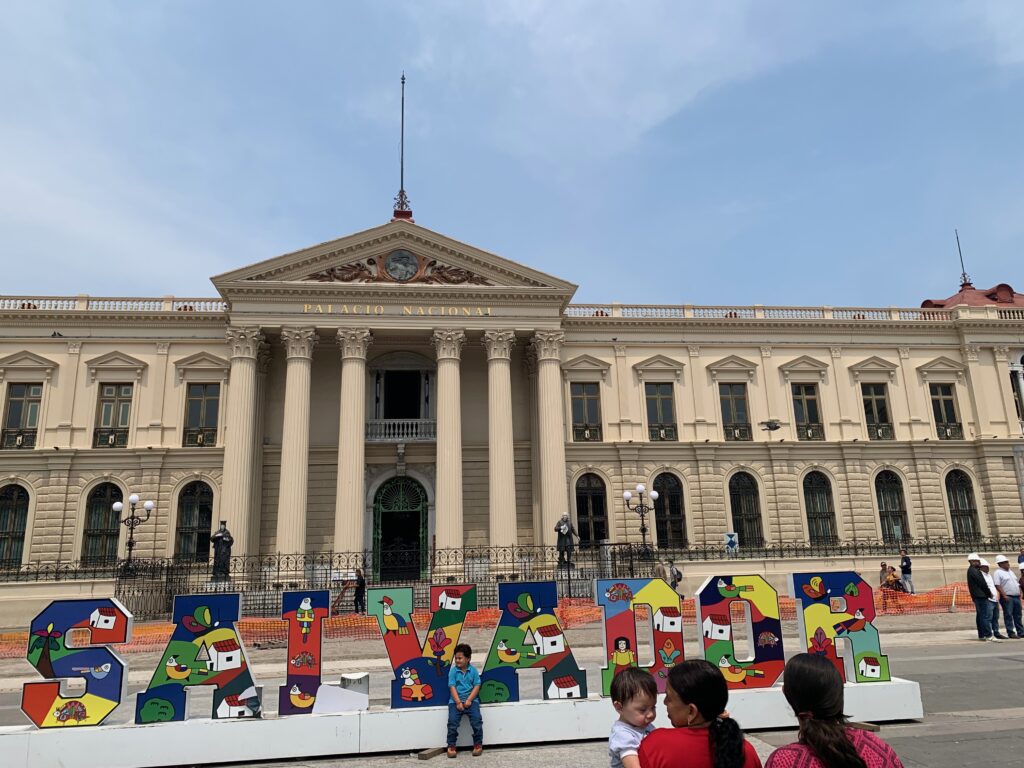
(45, 641)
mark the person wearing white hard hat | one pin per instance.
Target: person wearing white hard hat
(993, 601)
(1009, 597)
(980, 595)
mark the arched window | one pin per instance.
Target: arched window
(669, 512)
(102, 525)
(195, 522)
(13, 516)
(821, 514)
(962, 509)
(892, 510)
(746, 509)
(591, 509)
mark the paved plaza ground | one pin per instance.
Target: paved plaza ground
(973, 696)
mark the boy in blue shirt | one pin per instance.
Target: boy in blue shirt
(463, 690)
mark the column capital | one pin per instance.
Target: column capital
(448, 343)
(244, 341)
(299, 342)
(499, 344)
(548, 344)
(354, 342)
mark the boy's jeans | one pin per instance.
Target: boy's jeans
(475, 720)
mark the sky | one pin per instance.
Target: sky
(745, 152)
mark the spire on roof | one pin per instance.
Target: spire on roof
(402, 209)
(965, 279)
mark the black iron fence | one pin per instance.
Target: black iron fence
(148, 586)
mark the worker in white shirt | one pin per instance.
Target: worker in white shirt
(1009, 597)
(993, 602)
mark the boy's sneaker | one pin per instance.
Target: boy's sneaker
(452, 752)
(478, 750)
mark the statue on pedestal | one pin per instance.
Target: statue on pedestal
(222, 541)
(564, 545)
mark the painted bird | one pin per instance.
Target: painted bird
(735, 674)
(392, 621)
(304, 615)
(506, 654)
(732, 590)
(856, 624)
(300, 699)
(176, 671)
(815, 588)
(97, 672)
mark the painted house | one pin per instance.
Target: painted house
(564, 687)
(668, 619)
(717, 627)
(224, 655)
(549, 639)
(870, 667)
(449, 600)
(103, 618)
(233, 706)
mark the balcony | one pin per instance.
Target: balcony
(105, 437)
(401, 430)
(662, 433)
(18, 438)
(199, 437)
(810, 432)
(737, 432)
(881, 432)
(586, 433)
(950, 431)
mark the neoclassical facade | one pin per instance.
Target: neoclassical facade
(400, 389)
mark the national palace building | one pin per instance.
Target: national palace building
(397, 388)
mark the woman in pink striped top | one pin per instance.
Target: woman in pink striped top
(814, 688)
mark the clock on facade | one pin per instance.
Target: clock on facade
(401, 265)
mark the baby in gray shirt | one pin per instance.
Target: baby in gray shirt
(634, 694)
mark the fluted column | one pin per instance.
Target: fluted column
(554, 494)
(236, 507)
(500, 464)
(350, 506)
(449, 533)
(291, 502)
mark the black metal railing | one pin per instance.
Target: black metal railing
(810, 432)
(881, 432)
(104, 437)
(586, 433)
(737, 432)
(662, 432)
(18, 438)
(199, 437)
(950, 431)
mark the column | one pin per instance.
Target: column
(500, 463)
(554, 494)
(449, 533)
(291, 503)
(350, 504)
(256, 487)
(235, 505)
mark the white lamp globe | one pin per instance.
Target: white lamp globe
(148, 506)
(654, 495)
(641, 488)
(133, 499)
(627, 495)
(117, 506)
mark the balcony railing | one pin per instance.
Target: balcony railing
(737, 432)
(131, 304)
(810, 432)
(662, 433)
(881, 432)
(199, 437)
(586, 433)
(401, 430)
(110, 437)
(951, 431)
(18, 438)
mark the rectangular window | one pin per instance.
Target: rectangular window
(113, 412)
(202, 404)
(805, 410)
(586, 411)
(947, 423)
(876, 412)
(661, 422)
(21, 419)
(735, 415)
(1017, 394)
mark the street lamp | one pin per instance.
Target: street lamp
(132, 522)
(640, 508)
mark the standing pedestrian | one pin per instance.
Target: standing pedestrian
(980, 595)
(1020, 557)
(359, 597)
(564, 543)
(675, 576)
(1009, 597)
(993, 601)
(661, 571)
(882, 574)
(905, 575)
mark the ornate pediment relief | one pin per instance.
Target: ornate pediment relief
(400, 266)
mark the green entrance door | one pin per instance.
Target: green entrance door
(399, 530)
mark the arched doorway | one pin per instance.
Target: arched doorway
(963, 511)
(195, 523)
(399, 530)
(746, 509)
(821, 514)
(102, 525)
(13, 518)
(669, 512)
(591, 510)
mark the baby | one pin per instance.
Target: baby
(634, 694)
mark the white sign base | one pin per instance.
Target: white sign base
(203, 741)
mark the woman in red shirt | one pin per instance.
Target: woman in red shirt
(702, 734)
(814, 689)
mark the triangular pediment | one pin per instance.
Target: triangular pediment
(396, 255)
(941, 368)
(115, 362)
(202, 364)
(26, 363)
(804, 366)
(732, 367)
(873, 366)
(659, 365)
(586, 364)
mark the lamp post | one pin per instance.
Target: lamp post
(640, 508)
(132, 522)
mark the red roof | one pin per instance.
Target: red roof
(225, 645)
(234, 701)
(549, 630)
(719, 618)
(969, 296)
(871, 660)
(566, 681)
(671, 612)
(451, 592)
(107, 612)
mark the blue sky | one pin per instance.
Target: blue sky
(652, 152)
